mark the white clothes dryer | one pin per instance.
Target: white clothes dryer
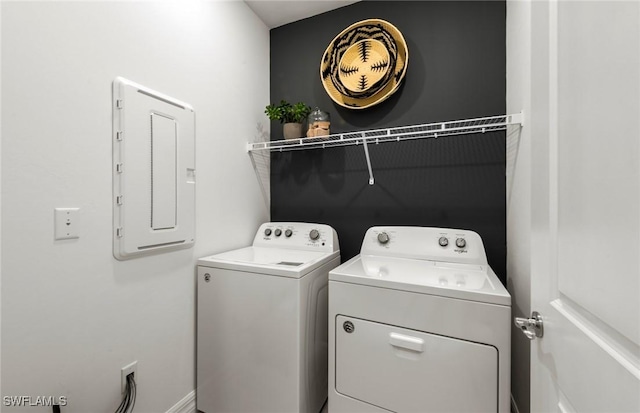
(262, 322)
(418, 322)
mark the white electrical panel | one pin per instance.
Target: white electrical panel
(153, 171)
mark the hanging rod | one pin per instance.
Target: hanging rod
(397, 134)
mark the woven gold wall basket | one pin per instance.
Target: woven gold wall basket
(364, 64)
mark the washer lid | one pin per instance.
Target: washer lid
(463, 281)
(271, 261)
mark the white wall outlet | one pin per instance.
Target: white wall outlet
(66, 223)
(125, 371)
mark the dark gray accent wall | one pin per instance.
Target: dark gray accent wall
(456, 70)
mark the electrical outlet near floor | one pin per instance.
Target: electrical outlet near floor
(125, 371)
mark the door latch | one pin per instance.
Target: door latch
(530, 327)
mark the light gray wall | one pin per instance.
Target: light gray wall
(519, 193)
(72, 315)
(0, 202)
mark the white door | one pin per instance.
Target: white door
(586, 208)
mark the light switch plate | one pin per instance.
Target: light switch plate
(66, 223)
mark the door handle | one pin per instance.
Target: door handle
(531, 327)
(407, 342)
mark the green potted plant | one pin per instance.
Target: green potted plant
(291, 116)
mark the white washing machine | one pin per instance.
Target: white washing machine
(418, 322)
(262, 322)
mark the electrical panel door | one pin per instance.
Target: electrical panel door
(153, 171)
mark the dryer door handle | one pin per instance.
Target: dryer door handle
(407, 342)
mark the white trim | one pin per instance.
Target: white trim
(514, 406)
(563, 404)
(603, 340)
(186, 405)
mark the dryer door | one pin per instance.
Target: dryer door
(405, 370)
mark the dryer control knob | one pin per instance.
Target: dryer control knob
(383, 238)
(443, 241)
(314, 234)
(278, 232)
(267, 232)
(288, 233)
(461, 243)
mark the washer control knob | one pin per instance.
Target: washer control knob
(443, 241)
(278, 232)
(314, 234)
(267, 232)
(461, 243)
(288, 233)
(383, 238)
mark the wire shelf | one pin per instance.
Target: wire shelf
(396, 134)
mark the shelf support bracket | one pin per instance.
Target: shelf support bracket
(517, 118)
(366, 155)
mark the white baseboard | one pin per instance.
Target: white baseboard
(186, 405)
(514, 406)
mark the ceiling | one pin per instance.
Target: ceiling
(280, 12)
